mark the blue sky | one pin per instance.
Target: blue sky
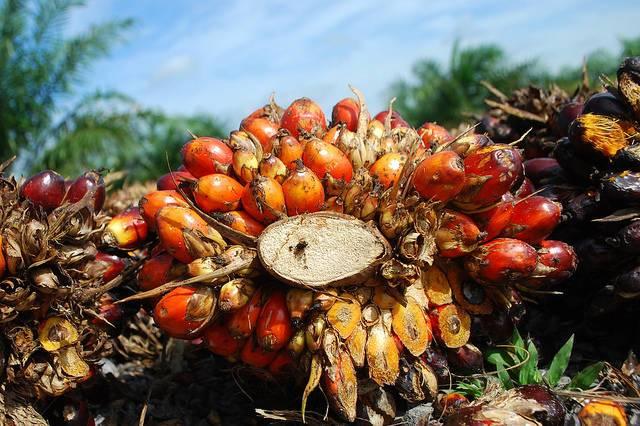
(227, 57)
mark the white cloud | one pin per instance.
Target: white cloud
(173, 67)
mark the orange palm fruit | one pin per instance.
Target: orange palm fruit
(219, 341)
(255, 355)
(388, 168)
(241, 221)
(304, 116)
(151, 204)
(242, 322)
(158, 270)
(235, 294)
(273, 167)
(303, 191)
(205, 156)
(451, 325)
(323, 158)
(274, 328)
(264, 200)
(411, 326)
(126, 230)
(440, 177)
(186, 236)
(217, 193)
(262, 128)
(287, 148)
(345, 315)
(184, 310)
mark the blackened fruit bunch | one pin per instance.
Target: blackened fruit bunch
(357, 256)
(52, 275)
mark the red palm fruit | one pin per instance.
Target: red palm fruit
(45, 189)
(126, 230)
(263, 199)
(263, 130)
(3, 261)
(151, 204)
(219, 341)
(205, 156)
(303, 191)
(533, 219)
(457, 235)
(240, 221)
(273, 167)
(255, 355)
(557, 261)
(183, 310)
(525, 189)
(440, 177)
(185, 235)
(158, 270)
(483, 216)
(274, 324)
(173, 180)
(434, 135)
(346, 112)
(490, 172)
(469, 144)
(333, 134)
(108, 266)
(287, 148)
(498, 219)
(388, 168)
(282, 363)
(88, 182)
(110, 313)
(501, 261)
(304, 115)
(323, 158)
(396, 119)
(217, 193)
(242, 323)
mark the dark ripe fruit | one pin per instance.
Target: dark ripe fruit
(440, 177)
(158, 270)
(240, 221)
(263, 199)
(543, 170)
(502, 261)
(603, 413)
(323, 158)
(591, 133)
(533, 219)
(606, 103)
(151, 204)
(109, 266)
(273, 167)
(45, 189)
(579, 166)
(396, 119)
(126, 230)
(185, 235)
(205, 156)
(489, 173)
(629, 83)
(173, 180)
(497, 328)
(89, 182)
(282, 364)
(183, 310)
(525, 189)
(622, 187)
(466, 359)
(242, 323)
(388, 168)
(553, 410)
(274, 328)
(434, 135)
(627, 284)
(627, 158)
(303, 191)
(69, 410)
(304, 115)
(217, 193)
(263, 130)
(347, 112)
(451, 325)
(255, 355)
(287, 148)
(219, 341)
(595, 255)
(627, 239)
(469, 144)
(563, 119)
(437, 360)
(457, 235)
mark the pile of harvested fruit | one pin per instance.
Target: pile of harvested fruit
(365, 257)
(54, 283)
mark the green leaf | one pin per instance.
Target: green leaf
(503, 375)
(560, 363)
(499, 358)
(529, 373)
(520, 353)
(586, 377)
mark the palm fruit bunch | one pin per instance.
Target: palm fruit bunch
(356, 256)
(53, 285)
(589, 163)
